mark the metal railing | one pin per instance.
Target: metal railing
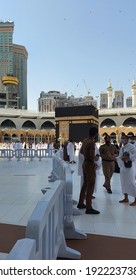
(26, 153)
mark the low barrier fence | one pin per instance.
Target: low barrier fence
(45, 238)
(45, 230)
(61, 171)
(51, 221)
(26, 153)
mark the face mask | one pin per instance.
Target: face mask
(97, 138)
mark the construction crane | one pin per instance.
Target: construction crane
(76, 88)
(88, 90)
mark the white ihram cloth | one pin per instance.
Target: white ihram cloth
(127, 175)
(70, 151)
(18, 145)
(98, 164)
(135, 159)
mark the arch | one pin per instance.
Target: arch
(47, 125)
(38, 138)
(130, 134)
(7, 137)
(8, 124)
(107, 122)
(130, 122)
(30, 138)
(22, 137)
(14, 137)
(44, 138)
(28, 124)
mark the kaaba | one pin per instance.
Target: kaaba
(73, 123)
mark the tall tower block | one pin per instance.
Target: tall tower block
(109, 92)
(13, 69)
(134, 93)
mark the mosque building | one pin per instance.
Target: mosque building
(116, 119)
(17, 122)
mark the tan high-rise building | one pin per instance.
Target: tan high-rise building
(13, 69)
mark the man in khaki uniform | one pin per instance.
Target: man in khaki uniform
(108, 153)
(89, 172)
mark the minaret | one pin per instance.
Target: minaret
(134, 93)
(109, 92)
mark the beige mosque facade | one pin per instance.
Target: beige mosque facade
(114, 121)
(31, 126)
(26, 126)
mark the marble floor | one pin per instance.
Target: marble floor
(115, 219)
(20, 189)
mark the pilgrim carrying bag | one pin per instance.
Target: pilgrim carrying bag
(128, 164)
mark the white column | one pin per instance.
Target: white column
(109, 92)
(134, 94)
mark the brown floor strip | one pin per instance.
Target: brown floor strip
(99, 247)
(9, 234)
(95, 247)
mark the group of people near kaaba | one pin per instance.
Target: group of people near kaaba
(113, 158)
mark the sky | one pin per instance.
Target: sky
(75, 46)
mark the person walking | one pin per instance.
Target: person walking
(89, 172)
(126, 162)
(108, 153)
(71, 151)
(65, 154)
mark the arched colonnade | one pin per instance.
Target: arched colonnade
(109, 126)
(28, 132)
